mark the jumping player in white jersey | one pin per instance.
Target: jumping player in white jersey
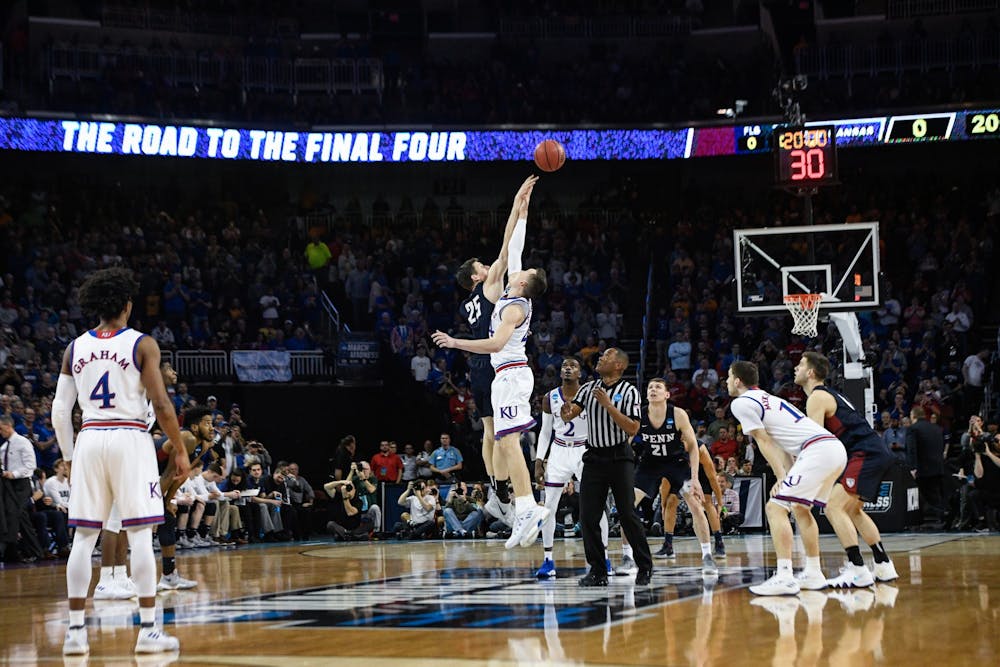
(485, 282)
(111, 370)
(783, 433)
(514, 381)
(558, 459)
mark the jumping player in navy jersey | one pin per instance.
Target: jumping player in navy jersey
(868, 459)
(485, 282)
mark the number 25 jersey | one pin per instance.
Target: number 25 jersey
(108, 379)
(790, 429)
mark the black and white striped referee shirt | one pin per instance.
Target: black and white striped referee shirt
(602, 429)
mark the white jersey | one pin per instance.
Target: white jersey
(566, 434)
(513, 352)
(108, 379)
(790, 429)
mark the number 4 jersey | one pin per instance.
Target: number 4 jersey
(790, 429)
(108, 379)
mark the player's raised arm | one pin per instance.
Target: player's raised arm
(493, 284)
(511, 316)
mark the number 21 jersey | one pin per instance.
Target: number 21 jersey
(108, 378)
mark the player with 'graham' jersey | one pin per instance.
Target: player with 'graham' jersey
(782, 432)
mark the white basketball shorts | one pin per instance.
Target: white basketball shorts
(115, 467)
(563, 464)
(512, 400)
(812, 476)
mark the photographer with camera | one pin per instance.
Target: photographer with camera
(367, 493)
(986, 470)
(419, 521)
(347, 522)
(462, 512)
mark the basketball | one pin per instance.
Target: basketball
(550, 155)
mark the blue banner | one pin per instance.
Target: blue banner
(262, 366)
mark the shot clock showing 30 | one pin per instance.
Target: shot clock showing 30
(805, 156)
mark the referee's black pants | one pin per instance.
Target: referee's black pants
(610, 468)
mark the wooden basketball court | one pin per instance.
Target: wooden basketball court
(451, 603)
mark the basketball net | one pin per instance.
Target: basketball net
(805, 313)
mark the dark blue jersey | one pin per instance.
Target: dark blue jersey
(850, 426)
(477, 311)
(661, 445)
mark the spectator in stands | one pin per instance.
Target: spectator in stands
(679, 353)
(301, 497)
(409, 464)
(265, 514)
(424, 470)
(730, 511)
(386, 466)
(48, 519)
(420, 365)
(724, 447)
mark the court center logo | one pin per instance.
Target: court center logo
(471, 598)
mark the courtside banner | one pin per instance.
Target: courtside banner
(231, 143)
(262, 366)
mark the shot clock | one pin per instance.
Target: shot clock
(805, 156)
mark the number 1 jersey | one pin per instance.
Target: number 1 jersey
(790, 429)
(108, 378)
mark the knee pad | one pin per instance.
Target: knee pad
(167, 532)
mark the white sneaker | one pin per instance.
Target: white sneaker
(811, 581)
(779, 584)
(627, 568)
(76, 642)
(526, 527)
(128, 586)
(853, 576)
(708, 566)
(885, 572)
(201, 542)
(173, 582)
(185, 543)
(154, 640)
(110, 590)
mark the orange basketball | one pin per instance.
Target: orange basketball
(550, 155)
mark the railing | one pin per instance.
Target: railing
(217, 365)
(906, 9)
(175, 20)
(849, 60)
(332, 314)
(354, 75)
(640, 372)
(611, 27)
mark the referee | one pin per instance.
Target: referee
(613, 411)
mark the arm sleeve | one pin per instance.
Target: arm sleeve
(516, 247)
(62, 414)
(545, 436)
(749, 412)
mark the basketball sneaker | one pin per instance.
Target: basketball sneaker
(708, 566)
(779, 584)
(627, 568)
(184, 543)
(547, 570)
(720, 548)
(666, 551)
(852, 576)
(526, 527)
(76, 642)
(154, 640)
(128, 586)
(607, 566)
(885, 572)
(111, 590)
(811, 581)
(173, 582)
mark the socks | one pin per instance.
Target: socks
(627, 550)
(203, 531)
(500, 487)
(812, 564)
(879, 552)
(706, 549)
(169, 565)
(668, 538)
(147, 616)
(548, 554)
(785, 566)
(718, 536)
(76, 618)
(191, 532)
(854, 555)
(107, 573)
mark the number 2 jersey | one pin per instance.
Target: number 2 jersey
(661, 445)
(790, 429)
(108, 379)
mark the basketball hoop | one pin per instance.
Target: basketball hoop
(805, 313)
